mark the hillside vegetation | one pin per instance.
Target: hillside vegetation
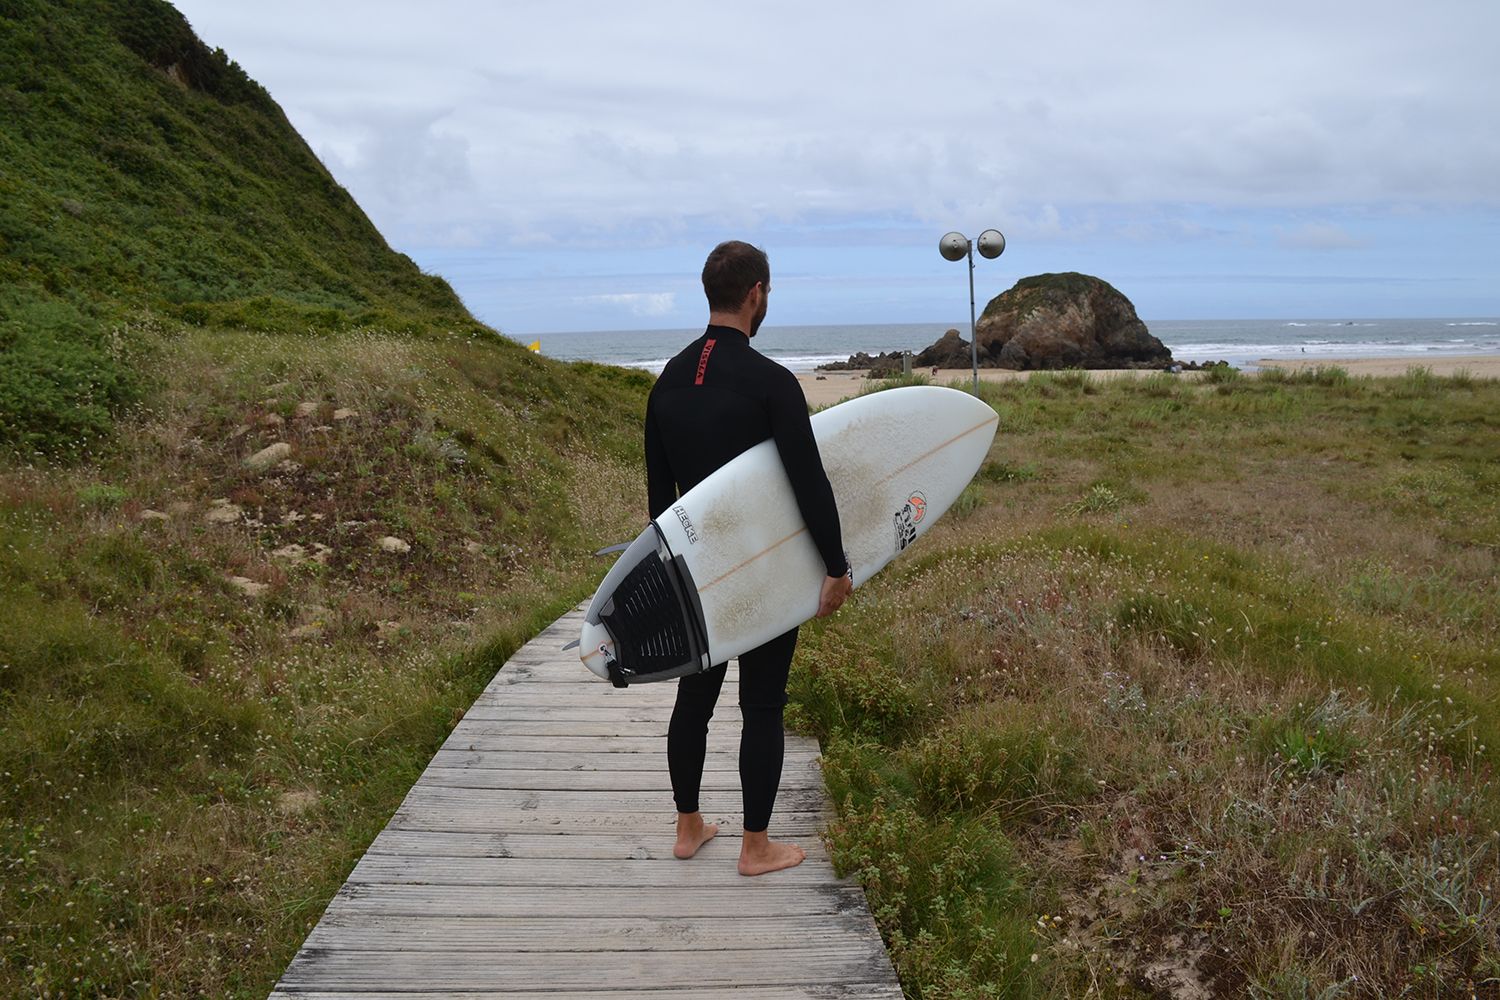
(140, 171)
(1194, 693)
(220, 673)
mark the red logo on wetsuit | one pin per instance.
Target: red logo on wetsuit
(708, 349)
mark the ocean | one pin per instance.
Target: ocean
(1240, 342)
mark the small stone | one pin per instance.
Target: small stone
(473, 548)
(345, 413)
(321, 553)
(222, 512)
(306, 409)
(388, 630)
(153, 515)
(248, 587)
(240, 432)
(312, 630)
(293, 803)
(272, 401)
(272, 420)
(390, 543)
(268, 456)
(293, 553)
(292, 517)
(321, 428)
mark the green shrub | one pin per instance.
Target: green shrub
(60, 386)
(990, 762)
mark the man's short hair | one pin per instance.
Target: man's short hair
(731, 271)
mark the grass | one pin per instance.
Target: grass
(189, 772)
(1201, 693)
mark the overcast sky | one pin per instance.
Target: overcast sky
(568, 166)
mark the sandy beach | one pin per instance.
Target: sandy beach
(1478, 365)
(825, 388)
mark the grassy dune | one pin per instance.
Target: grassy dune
(1196, 692)
(189, 770)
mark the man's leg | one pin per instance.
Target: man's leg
(687, 743)
(763, 674)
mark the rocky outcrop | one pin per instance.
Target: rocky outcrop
(1065, 320)
(949, 351)
(877, 365)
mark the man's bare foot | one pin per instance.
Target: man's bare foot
(759, 854)
(692, 833)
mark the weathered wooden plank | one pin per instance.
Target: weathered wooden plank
(881, 990)
(568, 693)
(714, 869)
(470, 970)
(800, 774)
(553, 844)
(464, 739)
(547, 760)
(370, 932)
(783, 824)
(506, 800)
(753, 897)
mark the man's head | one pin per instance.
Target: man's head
(731, 276)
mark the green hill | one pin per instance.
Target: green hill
(219, 674)
(143, 171)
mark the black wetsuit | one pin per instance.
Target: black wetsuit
(714, 400)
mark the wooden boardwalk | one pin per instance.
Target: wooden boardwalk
(533, 859)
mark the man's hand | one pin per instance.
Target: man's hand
(836, 590)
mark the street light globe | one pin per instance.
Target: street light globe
(954, 246)
(991, 244)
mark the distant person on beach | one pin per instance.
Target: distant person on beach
(714, 400)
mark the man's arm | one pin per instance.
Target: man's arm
(792, 431)
(661, 485)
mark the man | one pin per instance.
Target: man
(714, 400)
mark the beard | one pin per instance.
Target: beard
(758, 318)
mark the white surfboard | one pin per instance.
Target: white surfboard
(731, 565)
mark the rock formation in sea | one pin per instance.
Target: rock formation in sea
(1067, 320)
(949, 351)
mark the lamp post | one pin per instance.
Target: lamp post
(957, 246)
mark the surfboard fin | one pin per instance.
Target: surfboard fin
(610, 550)
(571, 645)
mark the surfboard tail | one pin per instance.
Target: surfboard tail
(646, 623)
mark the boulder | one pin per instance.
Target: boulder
(1065, 320)
(221, 511)
(878, 365)
(949, 351)
(248, 587)
(268, 456)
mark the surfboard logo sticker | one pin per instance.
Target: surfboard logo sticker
(687, 524)
(918, 502)
(911, 512)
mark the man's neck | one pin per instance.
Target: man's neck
(735, 321)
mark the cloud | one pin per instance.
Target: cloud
(620, 138)
(627, 122)
(1317, 236)
(643, 304)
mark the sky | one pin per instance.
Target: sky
(569, 166)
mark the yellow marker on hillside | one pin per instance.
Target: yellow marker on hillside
(535, 345)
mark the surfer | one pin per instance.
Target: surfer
(714, 400)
